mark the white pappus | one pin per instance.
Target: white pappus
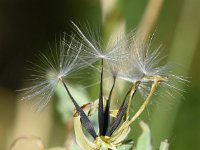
(57, 65)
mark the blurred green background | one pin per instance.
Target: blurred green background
(27, 26)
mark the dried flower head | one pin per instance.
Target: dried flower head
(126, 60)
(145, 65)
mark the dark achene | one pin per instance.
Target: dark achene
(103, 116)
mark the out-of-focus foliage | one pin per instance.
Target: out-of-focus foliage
(57, 148)
(144, 141)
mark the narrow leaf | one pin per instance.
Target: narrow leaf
(144, 141)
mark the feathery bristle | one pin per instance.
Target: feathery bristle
(58, 63)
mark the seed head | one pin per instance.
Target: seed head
(57, 65)
(93, 48)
